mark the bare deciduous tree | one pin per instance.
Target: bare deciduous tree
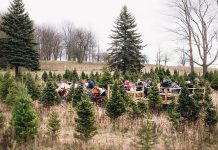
(182, 56)
(159, 58)
(166, 59)
(146, 59)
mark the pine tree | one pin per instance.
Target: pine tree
(50, 75)
(214, 82)
(211, 117)
(85, 122)
(54, 125)
(147, 135)
(106, 78)
(32, 87)
(126, 43)
(24, 119)
(115, 107)
(174, 115)
(15, 91)
(70, 94)
(75, 76)
(154, 98)
(59, 77)
(5, 85)
(77, 94)
(83, 75)
(187, 106)
(49, 95)
(19, 43)
(45, 76)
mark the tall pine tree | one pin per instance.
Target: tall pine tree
(18, 45)
(126, 44)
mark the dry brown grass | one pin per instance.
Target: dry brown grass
(193, 137)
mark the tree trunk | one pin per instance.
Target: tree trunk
(16, 71)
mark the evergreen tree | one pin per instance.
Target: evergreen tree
(32, 87)
(83, 75)
(214, 82)
(75, 76)
(15, 91)
(115, 107)
(174, 115)
(77, 94)
(85, 122)
(211, 117)
(147, 135)
(50, 75)
(19, 43)
(59, 77)
(45, 76)
(54, 125)
(154, 98)
(187, 106)
(49, 95)
(24, 118)
(5, 85)
(106, 78)
(126, 43)
(70, 94)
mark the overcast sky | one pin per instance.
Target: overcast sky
(99, 16)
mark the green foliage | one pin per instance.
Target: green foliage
(24, 119)
(85, 122)
(147, 135)
(78, 93)
(49, 95)
(15, 91)
(187, 106)
(19, 45)
(138, 109)
(126, 44)
(67, 75)
(75, 76)
(214, 82)
(5, 85)
(32, 87)
(174, 115)
(115, 106)
(211, 117)
(192, 76)
(198, 97)
(154, 98)
(2, 118)
(50, 76)
(69, 96)
(83, 75)
(54, 124)
(106, 78)
(59, 77)
(45, 76)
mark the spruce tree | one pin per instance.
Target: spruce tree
(59, 77)
(187, 106)
(70, 94)
(154, 98)
(32, 87)
(49, 95)
(45, 76)
(24, 119)
(211, 117)
(2, 119)
(83, 75)
(174, 115)
(77, 94)
(19, 43)
(214, 82)
(85, 122)
(75, 76)
(106, 78)
(115, 106)
(54, 125)
(5, 85)
(126, 44)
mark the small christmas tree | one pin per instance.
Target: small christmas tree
(70, 94)
(75, 76)
(187, 106)
(59, 77)
(211, 117)
(174, 115)
(106, 78)
(154, 98)
(85, 122)
(5, 85)
(14, 92)
(45, 76)
(50, 75)
(49, 95)
(77, 95)
(32, 87)
(115, 106)
(24, 119)
(83, 75)
(54, 125)
(214, 82)
(147, 135)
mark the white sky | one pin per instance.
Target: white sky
(99, 16)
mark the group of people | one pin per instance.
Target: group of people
(95, 91)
